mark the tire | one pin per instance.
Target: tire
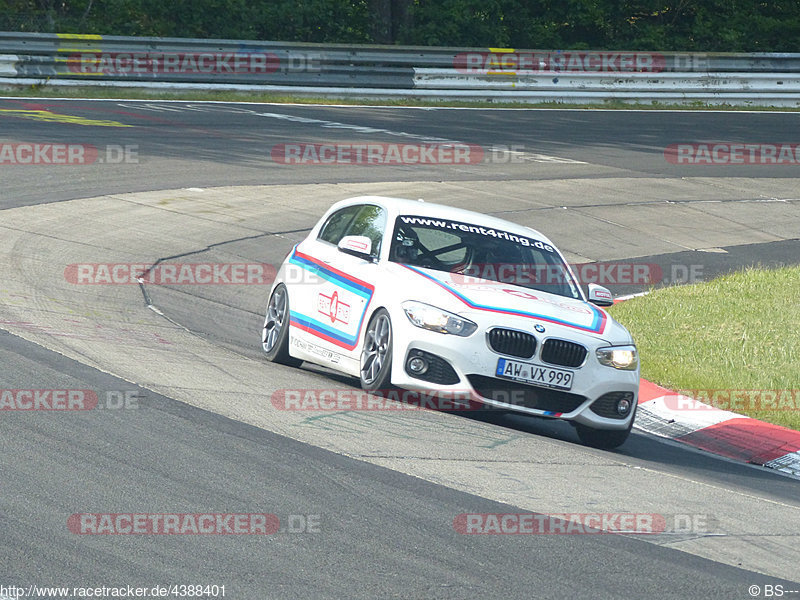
(604, 439)
(275, 335)
(375, 371)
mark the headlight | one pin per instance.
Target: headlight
(436, 319)
(620, 357)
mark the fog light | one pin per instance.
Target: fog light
(417, 365)
(623, 406)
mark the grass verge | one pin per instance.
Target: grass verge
(734, 341)
(110, 93)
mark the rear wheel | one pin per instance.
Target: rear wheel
(275, 335)
(376, 357)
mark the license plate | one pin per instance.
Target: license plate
(535, 374)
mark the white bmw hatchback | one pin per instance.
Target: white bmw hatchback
(447, 301)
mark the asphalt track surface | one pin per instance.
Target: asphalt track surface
(385, 488)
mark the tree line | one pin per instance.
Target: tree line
(646, 25)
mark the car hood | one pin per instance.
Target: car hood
(531, 307)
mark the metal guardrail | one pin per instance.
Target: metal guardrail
(391, 71)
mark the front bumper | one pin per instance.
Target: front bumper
(469, 372)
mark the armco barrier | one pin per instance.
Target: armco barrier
(400, 71)
(8, 64)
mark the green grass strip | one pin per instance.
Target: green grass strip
(734, 341)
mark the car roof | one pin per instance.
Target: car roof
(405, 206)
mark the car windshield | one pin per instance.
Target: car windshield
(475, 254)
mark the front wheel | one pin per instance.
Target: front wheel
(275, 335)
(604, 439)
(376, 357)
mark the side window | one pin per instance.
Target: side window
(336, 226)
(370, 222)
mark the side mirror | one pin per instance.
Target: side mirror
(600, 296)
(357, 245)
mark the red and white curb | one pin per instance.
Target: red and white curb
(669, 414)
(672, 415)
